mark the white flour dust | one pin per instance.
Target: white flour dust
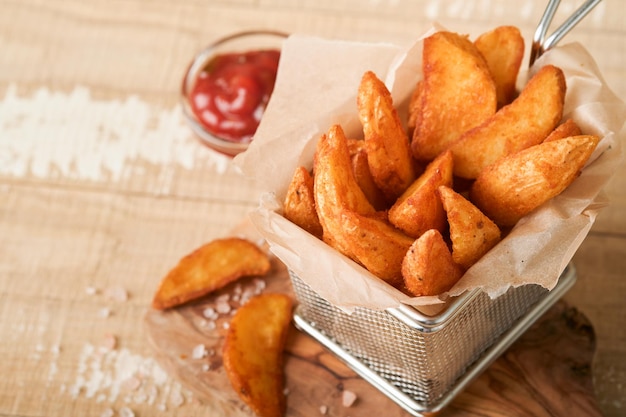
(76, 136)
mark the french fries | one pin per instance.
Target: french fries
(503, 49)
(458, 93)
(514, 186)
(388, 150)
(253, 353)
(209, 268)
(299, 205)
(428, 267)
(527, 121)
(491, 155)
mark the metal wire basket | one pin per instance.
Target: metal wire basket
(422, 361)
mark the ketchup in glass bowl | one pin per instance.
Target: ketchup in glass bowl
(227, 87)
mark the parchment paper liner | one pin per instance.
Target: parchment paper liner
(316, 87)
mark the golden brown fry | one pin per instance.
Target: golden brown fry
(503, 49)
(376, 245)
(516, 185)
(387, 144)
(209, 268)
(458, 94)
(365, 180)
(564, 130)
(472, 233)
(335, 187)
(419, 208)
(428, 267)
(415, 107)
(523, 123)
(299, 206)
(253, 353)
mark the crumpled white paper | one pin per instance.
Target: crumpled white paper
(316, 87)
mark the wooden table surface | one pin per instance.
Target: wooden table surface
(103, 188)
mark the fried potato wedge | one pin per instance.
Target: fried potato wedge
(363, 176)
(209, 268)
(387, 144)
(299, 205)
(415, 106)
(428, 267)
(376, 245)
(472, 233)
(525, 122)
(458, 93)
(335, 187)
(253, 353)
(516, 185)
(419, 208)
(503, 49)
(564, 130)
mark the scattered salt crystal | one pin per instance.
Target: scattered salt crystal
(116, 293)
(247, 294)
(126, 412)
(210, 313)
(91, 291)
(177, 399)
(348, 398)
(104, 312)
(131, 384)
(237, 289)
(198, 352)
(206, 367)
(222, 306)
(222, 298)
(259, 285)
(323, 410)
(210, 325)
(109, 342)
(161, 407)
(107, 413)
(226, 325)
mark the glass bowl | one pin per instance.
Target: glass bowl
(238, 47)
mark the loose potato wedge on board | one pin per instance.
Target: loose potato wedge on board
(299, 205)
(525, 122)
(516, 185)
(472, 233)
(253, 353)
(503, 49)
(458, 93)
(209, 268)
(376, 245)
(428, 267)
(387, 144)
(419, 208)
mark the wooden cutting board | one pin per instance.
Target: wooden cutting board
(547, 372)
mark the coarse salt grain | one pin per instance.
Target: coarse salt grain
(198, 352)
(91, 291)
(109, 342)
(222, 306)
(348, 398)
(131, 384)
(126, 412)
(107, 413)
(323, 410)
(210, 313)
(104, 312)
(116, 293)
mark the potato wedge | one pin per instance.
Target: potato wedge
(253, 353)
(376, 245)
(419, 208)
(387, 144)
(458, 94)
(428, 267)
(472, 233)
(525, 122)
(363, 176)
(209, 268)
(415, 106)
(335, 187)
(299, 205)
(516, 185)
(503, 49)
(564, 130)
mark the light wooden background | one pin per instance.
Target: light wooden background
(62, 234)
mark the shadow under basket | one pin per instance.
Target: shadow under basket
(423, 361)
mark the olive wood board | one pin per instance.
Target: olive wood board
(547, 372)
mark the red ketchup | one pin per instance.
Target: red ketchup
(232, 91)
